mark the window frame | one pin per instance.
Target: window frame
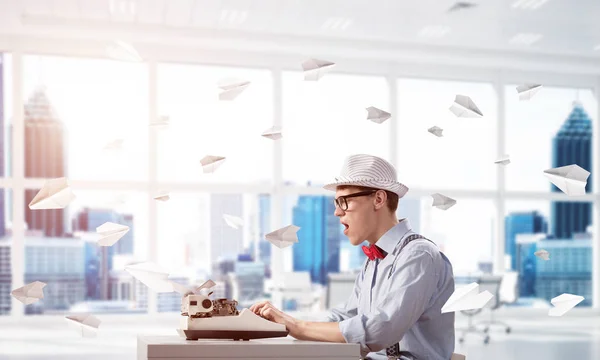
(499, 77)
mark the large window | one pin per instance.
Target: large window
(201, 124)
(85, 119)
(463, 158)
(563, 229)
(325, 121)
(552, 129)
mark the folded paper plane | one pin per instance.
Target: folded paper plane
(231, 89)
(110, 233)
(377, 115)
(122, 51)
(442, 201)
(29, 293)
(86, 324)
(437, 131)
(315, 69)
(273, 133)
(563, 303)
(467, 298)
(162, 196)
(461, 5)
(161, 123)
(56, 194)
(571, 179)
(542, 254)
(526, 91)
(503, 160)
(210, 163)
(233, 221)
(464, 107)
(151, 275)
(284, 237)
(186, 290)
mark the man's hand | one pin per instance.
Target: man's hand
(266, 310)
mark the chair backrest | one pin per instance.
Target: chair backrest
(456, 356)
(509, 288)
(339, 289)
(491, 283)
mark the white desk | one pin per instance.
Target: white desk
(177, 348)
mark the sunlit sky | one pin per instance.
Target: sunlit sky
(101, 100)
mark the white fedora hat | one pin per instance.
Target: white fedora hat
(368, 171)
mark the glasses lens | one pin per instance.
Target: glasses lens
(344, 204)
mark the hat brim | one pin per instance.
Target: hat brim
(393, 186)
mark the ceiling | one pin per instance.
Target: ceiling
(558, 27)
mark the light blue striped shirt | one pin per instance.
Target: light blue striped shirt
(399, 299)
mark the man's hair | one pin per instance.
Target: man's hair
(392, 198)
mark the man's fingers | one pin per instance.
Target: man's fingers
(259, 305)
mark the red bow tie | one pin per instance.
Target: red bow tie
(373, 252)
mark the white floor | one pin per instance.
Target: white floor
(575, 336)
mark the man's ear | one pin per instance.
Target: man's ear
(379, 199)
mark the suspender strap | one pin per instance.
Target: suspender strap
(393, 352)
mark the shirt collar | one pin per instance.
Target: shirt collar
(389, 240)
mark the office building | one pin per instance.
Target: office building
(58, 262)
(5, 277)
(569, 269)
(44, 158)
(572, 145)
(318, 249)
(531, 222)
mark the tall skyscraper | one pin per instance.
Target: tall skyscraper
(531, 222)
(318, 249)
(572, 145)
(44, 158)
(98, 259)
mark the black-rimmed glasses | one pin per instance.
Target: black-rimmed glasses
(342, 202)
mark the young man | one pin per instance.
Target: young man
(395, 307)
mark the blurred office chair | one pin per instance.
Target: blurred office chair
(507, 294)
(490, 283)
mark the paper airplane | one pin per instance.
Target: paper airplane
(377, 115)
(151, 275)
(442, 201)
(232, 88)
(29, 293)
(114, 145)
(233, 221)
(273, 133)
(542, 254)
(314, 69)
(503, 160)
(284, 237)
(120, 50)
(162, 196)
(56, 194)
(526, 91)
(210, 163)
(437, 131)
(111, 233)
(571, 179)
(186, 290)
(467, 298)
(161, 123)
(461, 5)
(87, 324)
(464, 107)
(563, 303)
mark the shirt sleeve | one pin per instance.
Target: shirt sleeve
(349, 308)
(412, 284)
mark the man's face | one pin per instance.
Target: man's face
(359, 216)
